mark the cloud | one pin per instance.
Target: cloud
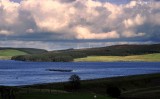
(5, 32)
(85, 33)
(128, 34)
(79, 20)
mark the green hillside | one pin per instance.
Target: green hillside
(146, 58)
(117, 50)
(27, 50)
(7, 53)
(10, 52)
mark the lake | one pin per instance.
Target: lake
(17, 73)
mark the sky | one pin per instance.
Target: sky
(63, 24)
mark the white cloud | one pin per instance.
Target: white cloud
(85, 33)
(5, 32)
(136, 21)
(128, 34)
(30, 31)
(132, 4)
(10, 11)
(78, 19)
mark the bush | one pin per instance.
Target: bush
(113, 91)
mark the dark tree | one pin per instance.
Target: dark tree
(7, 93)
(113, 91)
(74, 81)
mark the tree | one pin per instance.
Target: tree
(74, 81)
(113, 91)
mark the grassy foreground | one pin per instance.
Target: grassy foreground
(8, 53)
(60, 96)
(147, 58)
(133, 87)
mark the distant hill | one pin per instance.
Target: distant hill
(11, 52)
(7, 53)
(26, 50)
(71, 54)
(123, 50)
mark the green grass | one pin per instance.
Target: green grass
(126, 84)
(60, 96)
(147, 58)
(145, 93)
(145, 86)
(8, 53)
(5, 57)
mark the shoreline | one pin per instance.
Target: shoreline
(90, 80)
(132, 87)
(80, 61)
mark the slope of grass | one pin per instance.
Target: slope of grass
(147, 58)
(60, 96)
(8, 53)
(26, 50)
(5, 57)
(133, 87)
(145, 93)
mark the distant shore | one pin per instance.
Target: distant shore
(5, 57)
(133, 58)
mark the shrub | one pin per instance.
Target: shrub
(113, 91)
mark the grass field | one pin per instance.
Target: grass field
(60, 96)
(132, 87)
(145, 86)
(144, 93)
(8, 53)
(147, 58)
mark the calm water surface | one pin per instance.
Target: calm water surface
(16, 73)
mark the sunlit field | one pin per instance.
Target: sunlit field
(8, 53)
(146, 58)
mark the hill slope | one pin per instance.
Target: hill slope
(71, 54)
(27, 50)
(123, 50)
(10, 52)
(7, 53)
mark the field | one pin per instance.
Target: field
(61, 96)
(8, 53)
(146, 58)
(132, 87)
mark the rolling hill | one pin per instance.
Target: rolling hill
(26, 50)
(71, 54)
(7, 53)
